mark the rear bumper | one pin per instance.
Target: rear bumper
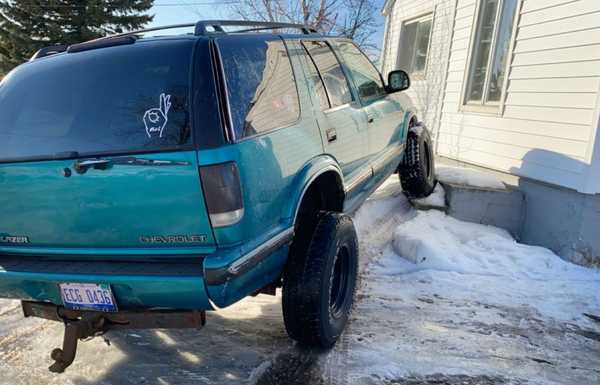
(222, 278)
(135, 285)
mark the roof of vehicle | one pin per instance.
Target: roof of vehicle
(203, 28)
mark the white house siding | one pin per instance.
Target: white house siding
(427, 94)
(547, 127)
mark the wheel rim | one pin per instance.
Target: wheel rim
(339, 282)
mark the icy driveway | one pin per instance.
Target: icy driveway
(478, 309)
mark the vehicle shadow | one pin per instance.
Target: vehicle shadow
(247, 344)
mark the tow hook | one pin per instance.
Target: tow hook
(82, 324)
(90, 325)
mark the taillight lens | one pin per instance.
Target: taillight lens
(223, 193)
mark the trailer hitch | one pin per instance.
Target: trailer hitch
(90, 325)
(83, 324)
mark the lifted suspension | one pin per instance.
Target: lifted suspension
(80, 324)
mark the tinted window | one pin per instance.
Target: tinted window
(336, 83)
(366, 77)
(316, 81)
(114, 99)
(260, 83)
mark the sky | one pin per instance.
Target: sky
(188, 11)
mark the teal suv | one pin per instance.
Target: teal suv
(148, 174)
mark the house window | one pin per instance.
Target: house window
(490, 51)
(414, 45)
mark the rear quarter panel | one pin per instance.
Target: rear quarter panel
(274, 167)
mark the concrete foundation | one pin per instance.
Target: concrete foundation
(565, 221)
(500, 208)
(536, 213)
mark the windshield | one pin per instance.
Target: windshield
(117, 99)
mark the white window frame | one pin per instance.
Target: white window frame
(420, 75)
(496, 108)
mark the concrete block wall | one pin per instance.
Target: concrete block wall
(500, 208)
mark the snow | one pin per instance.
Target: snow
(445, 301)
(468, 177)
(437, 199)
(444, 246)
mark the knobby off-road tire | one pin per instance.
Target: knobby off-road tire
(319, 286)
(417, 169)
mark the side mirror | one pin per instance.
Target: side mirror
(398, 81)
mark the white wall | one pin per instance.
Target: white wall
(426, 93)
(547, 128)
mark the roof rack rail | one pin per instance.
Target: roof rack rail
(201, 28)
(50, 50)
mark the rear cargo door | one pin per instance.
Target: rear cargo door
(97, 155)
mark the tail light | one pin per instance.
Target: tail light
(223, 193)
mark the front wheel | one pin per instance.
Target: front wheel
(318, 287)
(417, 169)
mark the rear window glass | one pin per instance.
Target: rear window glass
(116, 99)
(260, 84)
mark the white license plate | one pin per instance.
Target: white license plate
(88, 296)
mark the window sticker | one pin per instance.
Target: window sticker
(155, 119)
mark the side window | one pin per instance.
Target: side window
(330, 69)
(314, 77)
(366, 77)
(260, 84)
(414, 45)
(490, 51)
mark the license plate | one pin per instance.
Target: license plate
(88, 296)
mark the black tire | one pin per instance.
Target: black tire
(417, 169)
(319, 286)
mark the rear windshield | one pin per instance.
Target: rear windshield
(118, 99)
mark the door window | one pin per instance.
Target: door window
(314, 77)
(366, 77)
(331, 72)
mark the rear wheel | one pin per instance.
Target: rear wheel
(417, 169)
(318, 287)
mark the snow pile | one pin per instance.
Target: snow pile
(468, 177)
(439, 242)
(485, 262)
(436, 199)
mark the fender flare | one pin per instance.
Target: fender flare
(309, 173)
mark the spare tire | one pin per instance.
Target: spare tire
(417, 169)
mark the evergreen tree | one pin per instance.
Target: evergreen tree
(28, 25)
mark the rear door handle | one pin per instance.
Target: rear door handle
(370, 118)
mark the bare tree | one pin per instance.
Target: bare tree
(355, 19)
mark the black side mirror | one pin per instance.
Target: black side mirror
(398, 80)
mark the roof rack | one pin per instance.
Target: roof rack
(50, 50)
(208, 27)
(201, 28)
